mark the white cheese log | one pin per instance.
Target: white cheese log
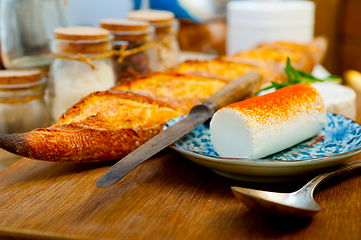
(263, 125)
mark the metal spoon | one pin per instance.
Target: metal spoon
(299, 203)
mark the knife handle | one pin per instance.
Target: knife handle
(233, 91)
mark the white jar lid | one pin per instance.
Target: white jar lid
(253, 14)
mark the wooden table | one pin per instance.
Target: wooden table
(167, 197)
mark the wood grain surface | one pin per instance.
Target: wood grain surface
(167, 197)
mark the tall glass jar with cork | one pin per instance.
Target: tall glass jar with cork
(134, 47)
(166, 29)
(83, 64)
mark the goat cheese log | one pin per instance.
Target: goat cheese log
(263, 125)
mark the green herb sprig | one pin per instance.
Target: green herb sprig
(297, 76)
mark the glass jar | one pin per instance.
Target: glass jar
(82, 64)
(166, 29)
(25, 29)
(136, 39)
(22, 104)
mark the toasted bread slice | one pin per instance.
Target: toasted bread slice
(216, 68)
(228, 70)
(182, 91)
(103, 126)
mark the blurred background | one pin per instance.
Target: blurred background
(203, 24)
(338, 20)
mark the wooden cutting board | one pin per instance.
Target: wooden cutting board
(60, 200)
(167, 197)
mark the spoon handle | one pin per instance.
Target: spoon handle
(312, 184)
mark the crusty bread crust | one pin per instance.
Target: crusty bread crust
(85, 134)
(222, 68)
(180, 91)
(76, 143)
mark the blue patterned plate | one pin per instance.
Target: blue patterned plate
(337, 142)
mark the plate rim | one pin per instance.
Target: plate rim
(268, 162)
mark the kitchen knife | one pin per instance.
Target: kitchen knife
(232, 92)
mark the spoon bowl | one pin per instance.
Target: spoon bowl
(299, 203)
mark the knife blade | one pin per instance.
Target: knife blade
(232, 92)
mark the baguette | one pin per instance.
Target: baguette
(110, 124)
(102, 126)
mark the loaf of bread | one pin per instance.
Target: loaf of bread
(269, 59)
(103, 126)
(110, 124)
(302, 57)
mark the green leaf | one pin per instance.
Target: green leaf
(297, 76)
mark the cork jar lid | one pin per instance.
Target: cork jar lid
(16, 77)
(124, 24)
(127, 29)
(151, 16)
(80, 33)
(82, 39)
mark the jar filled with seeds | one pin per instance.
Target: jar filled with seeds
(83, 63)
(22, 104)
(166, 29)
(133, 45)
